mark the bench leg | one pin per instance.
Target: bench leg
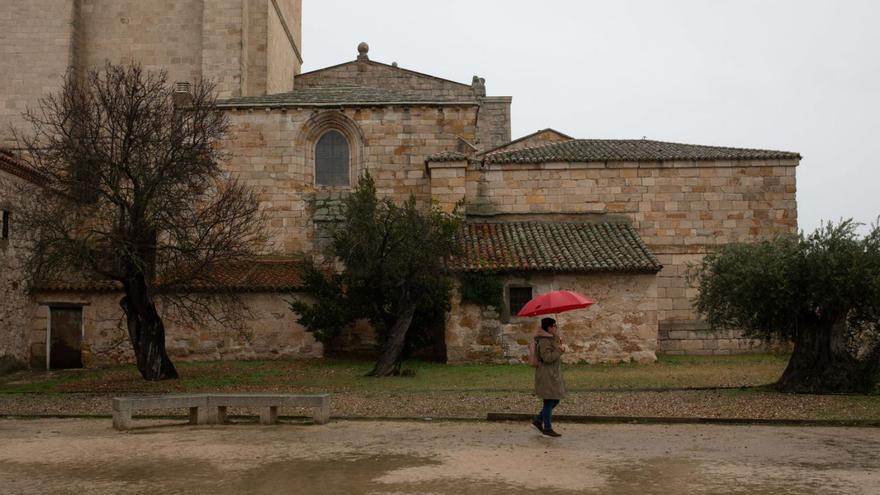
(321, 414)
(269, 415)
(199, 416)
(122, 419)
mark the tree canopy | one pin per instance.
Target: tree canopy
(136, 194)
(820, 291)
(393, 273)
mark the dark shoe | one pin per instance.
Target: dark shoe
(551, 433)
(537, 424)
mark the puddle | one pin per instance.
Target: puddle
(681, 475)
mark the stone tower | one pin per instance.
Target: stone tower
(247, 47)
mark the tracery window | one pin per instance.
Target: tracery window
(332, 160)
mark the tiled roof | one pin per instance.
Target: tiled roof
(553, 246)
(527, 136)
(384, 65)
(447, 156)
(590, 150)
(345, 95)
(8, 163)
(264, 275)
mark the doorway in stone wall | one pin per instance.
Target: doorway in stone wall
(64, 339)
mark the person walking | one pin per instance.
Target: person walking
(549, 384)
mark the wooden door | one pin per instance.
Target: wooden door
(65, 331)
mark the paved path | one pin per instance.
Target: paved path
(79, 456)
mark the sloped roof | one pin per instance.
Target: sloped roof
(591, 150)
(553, 246)
(8, 163)
(447, 156)
(334, 96)
(526, 138)
(383, 66)
(261, 275)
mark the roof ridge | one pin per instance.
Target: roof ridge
(599, 150)
(521, 138)
(382, 64)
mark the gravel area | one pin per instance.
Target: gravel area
(687, 403)
(79, 456)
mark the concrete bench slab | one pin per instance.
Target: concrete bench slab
(211, 408)
(268, 404)
(124, 406)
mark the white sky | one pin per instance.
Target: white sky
(775, 74)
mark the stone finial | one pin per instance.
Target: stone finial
(479, 86)
(363, 49)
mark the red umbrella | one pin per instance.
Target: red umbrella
(554, 302)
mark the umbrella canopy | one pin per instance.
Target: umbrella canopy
(558, 301)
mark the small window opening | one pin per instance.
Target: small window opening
(5, 224)
(517, 298)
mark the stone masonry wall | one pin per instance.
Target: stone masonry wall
(271, 333)
(283, 61)
(222, 56)
(163, 34)
(35, 51)
(271, 152)
(494, 122)
(620, 327)
(13, 297)
(680, 209)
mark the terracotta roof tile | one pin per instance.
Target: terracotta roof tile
(591, 150)
(345, 95)
(264, 275)
(9, 163)
(553, 246)
(447, 156)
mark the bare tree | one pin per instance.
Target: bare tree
(138, 196)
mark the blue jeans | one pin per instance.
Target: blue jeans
(545, 416)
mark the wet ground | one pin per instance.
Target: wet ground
(78, 456)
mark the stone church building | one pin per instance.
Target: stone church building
(618, 220)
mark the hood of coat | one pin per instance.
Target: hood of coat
(542, 333)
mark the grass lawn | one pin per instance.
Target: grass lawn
(334, 375)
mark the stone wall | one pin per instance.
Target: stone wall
(160, 35)
(695, 338)
(283, 61)
(223, 59)
(35, 51)
(13, 297)
(270, 332)
(680, 209)
(494, 122)
(190, 39)
(620, 327)
(273, 151)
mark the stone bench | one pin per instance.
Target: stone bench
(211, 408)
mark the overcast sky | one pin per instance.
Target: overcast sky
(785, 75)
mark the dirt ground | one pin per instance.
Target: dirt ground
(434, 457)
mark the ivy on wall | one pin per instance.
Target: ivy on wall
(482, 288)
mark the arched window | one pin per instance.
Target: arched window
(332, 160)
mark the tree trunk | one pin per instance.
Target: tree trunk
(390, 358)
(146, 331)
(821, 363)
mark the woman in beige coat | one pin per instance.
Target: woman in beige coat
(549, 385)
